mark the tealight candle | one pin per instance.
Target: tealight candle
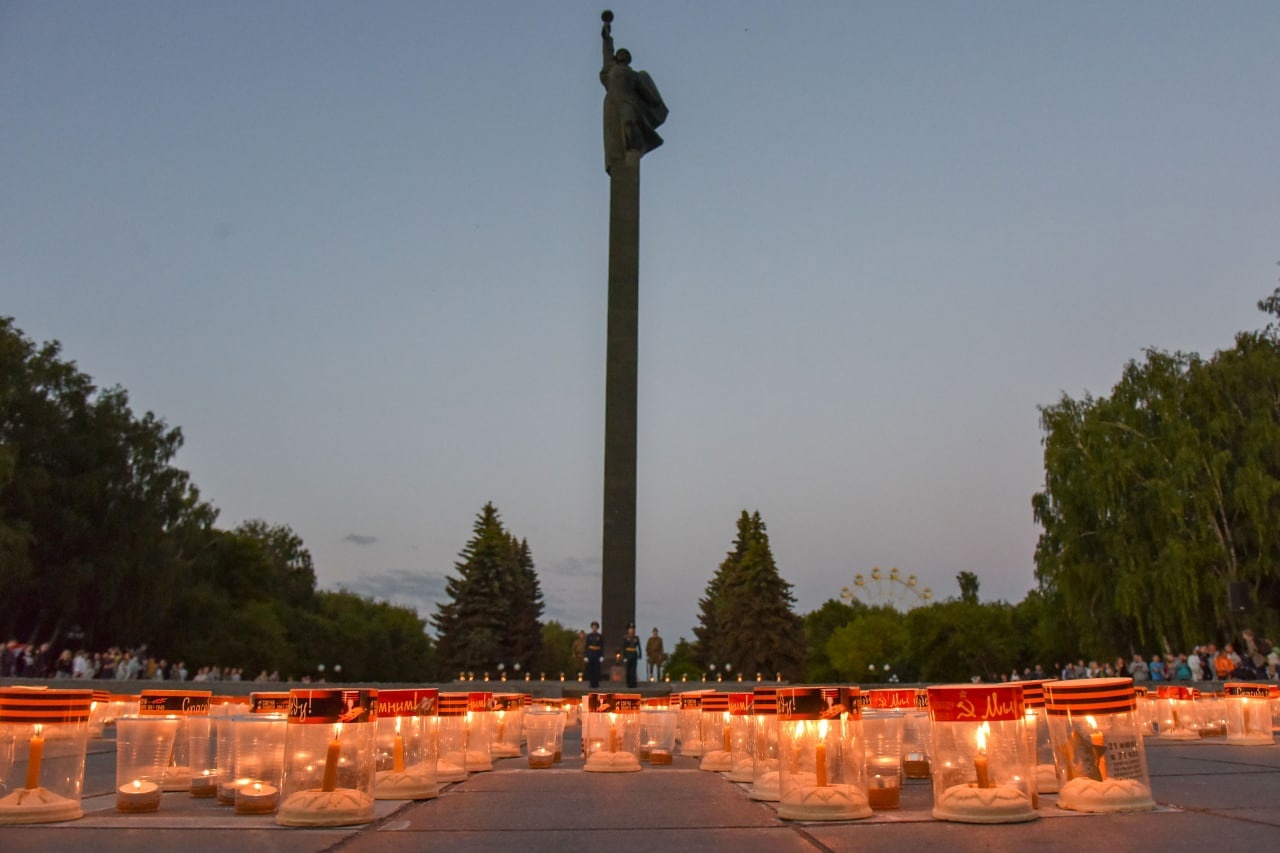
(139, 795)
(541, 758)
(204, 785)
(257, 798)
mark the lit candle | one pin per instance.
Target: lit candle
(980, 760)
(501, 724)
(331, 760)
(138, 796)
(257, 798)
(204, 785)
(397, 753)
(613, 733)
(1099, 742)
(33, 762)
(820, 755)
(728, 740)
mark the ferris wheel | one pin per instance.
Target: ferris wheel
(887, 589)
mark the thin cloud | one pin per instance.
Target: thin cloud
(410, 589)
(359, 539)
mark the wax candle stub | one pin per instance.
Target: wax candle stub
(820, 756)
(330, 780)
(36, 756)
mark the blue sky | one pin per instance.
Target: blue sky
(357, 252)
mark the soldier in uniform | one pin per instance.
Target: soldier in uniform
(656, 655)
(631, 654)
(595, 654)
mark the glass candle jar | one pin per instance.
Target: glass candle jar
(540, 727)
(612, 726)
(328, 773)
(1039, 741)
(144, 746)
(689, 733)
(43, 735)
(741, 737)
(917, 739)
(1097, 739)
(765, 783)
(717, 736)
(508, 720)
(658, 725)
(1211, 711)
(406, 749)
(99, 714)
(981, 763)
(1177, 717)
(191, 746)
(451, 737)
(883, 724)
(258, 744)
(1248, 713)
(480, 726)
(819, 754)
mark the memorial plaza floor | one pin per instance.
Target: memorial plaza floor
(1211, 796)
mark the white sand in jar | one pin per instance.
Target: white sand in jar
(502, 749)
(825, 802)
(971, 804)
(450, 771)
(611, 762)
(743, 771)
(1083, 794)
(691, 748)
(717, 760)
(37, 805)
(767, 787)
(342, 807)
(1179, 734)
(1046, 779)
(477, 761)
(176, 778)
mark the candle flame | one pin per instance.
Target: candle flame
(337, 729)
(822, 730)
(982, 736)
(39, 727)
(257, 787)
(1093, 724)
(397, 725)
(137, 783)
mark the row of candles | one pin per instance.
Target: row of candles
(321, 757)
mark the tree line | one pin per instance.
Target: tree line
(104, 542)
(1156, 498)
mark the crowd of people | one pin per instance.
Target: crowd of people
(1253, 659)
(28, 660)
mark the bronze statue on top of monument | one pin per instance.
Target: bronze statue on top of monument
(633, 108)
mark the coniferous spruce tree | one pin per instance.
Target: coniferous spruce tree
(708, 647)
(495, 602)
(747, 615)
(524, 642)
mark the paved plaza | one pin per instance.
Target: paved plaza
(1211, 797)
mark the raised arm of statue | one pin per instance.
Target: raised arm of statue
(606, 35)
(633, 108)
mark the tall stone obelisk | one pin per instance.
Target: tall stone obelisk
(633, 109)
